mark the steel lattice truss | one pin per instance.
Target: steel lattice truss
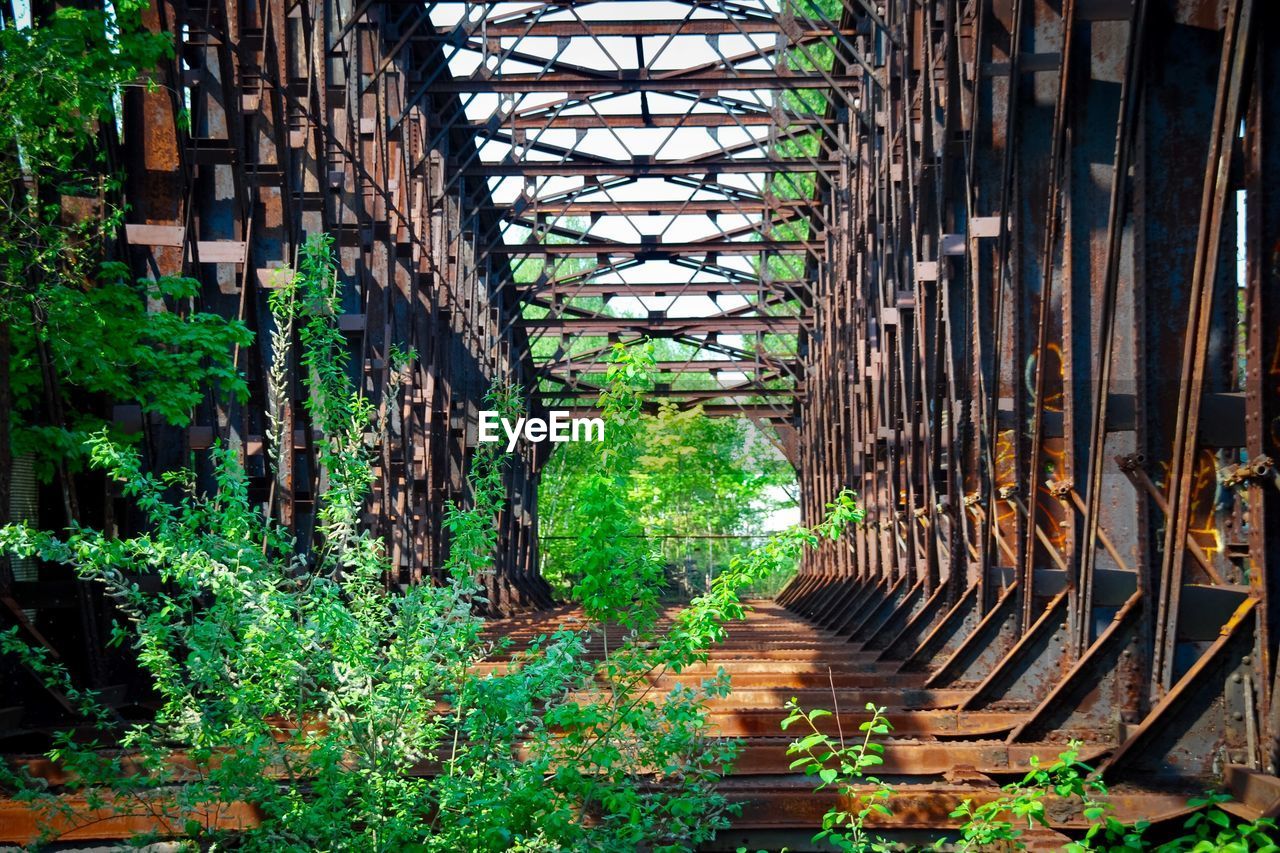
(1008, 268)
(679, 166)
(1051, 373)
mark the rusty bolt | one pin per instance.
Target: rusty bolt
(1131, 462)
(1060, 489)
(1009, 492)
(1258, 468)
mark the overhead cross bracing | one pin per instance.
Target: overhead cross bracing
(665, 177)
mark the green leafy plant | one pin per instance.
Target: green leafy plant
(60, 80)
(611, 736)
(1000, 822)
(696, 479)
(844, 767)
(108, 342)
(618, 575)
(1212, 829)
(79, 331)
(301, 706)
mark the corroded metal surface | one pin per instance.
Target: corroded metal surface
(1042, 366)
(1004, 305)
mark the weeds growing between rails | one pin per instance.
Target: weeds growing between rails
(351, 719)
(1000, 823)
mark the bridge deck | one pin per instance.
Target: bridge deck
(935, 757)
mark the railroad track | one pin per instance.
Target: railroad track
(936, 756)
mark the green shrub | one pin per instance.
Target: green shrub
(353, 719)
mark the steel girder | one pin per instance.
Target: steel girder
(301, 124)
(1050, 378)
(1003, 309)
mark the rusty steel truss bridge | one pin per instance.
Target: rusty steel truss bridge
(1010, 269)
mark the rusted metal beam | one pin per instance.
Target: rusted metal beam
(697, 247)
(593, 121)
(748, 394)
(708, 26)
(576, 84)
(699, 365)
(671, 288)
(753, 411)
(645, 169)
(655, 207)
(666, 325)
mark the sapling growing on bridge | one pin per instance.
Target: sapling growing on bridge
(844, 767)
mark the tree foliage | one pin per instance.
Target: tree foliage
(350, 718)
(81, 332)
(692, 476)
(105, 342)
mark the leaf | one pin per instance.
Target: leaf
(808, 742)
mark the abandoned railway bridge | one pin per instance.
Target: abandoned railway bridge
(1009, 269)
